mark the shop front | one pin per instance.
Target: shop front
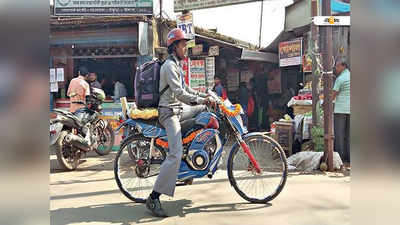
(107, 47)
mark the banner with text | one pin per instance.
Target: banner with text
(103, 7)
(198, 75)
(185, 23)
(290, 53)
(210, 71)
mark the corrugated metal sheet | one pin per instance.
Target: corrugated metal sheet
(95, 36)
(298, 15)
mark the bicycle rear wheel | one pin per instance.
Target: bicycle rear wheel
(250, 185)
(135, 170)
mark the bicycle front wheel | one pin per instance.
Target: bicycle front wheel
(250, 185)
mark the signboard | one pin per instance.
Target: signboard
(52, 75)
(197, 49)
(210, 71)
(290, 53)
(331, 20)
(185, 68)
(53, 87)
(181, 5)
(103, 7)
(198, 75)
(274, 82)
(307, 64)
(60, 74)
(213, 51)
(185, 23)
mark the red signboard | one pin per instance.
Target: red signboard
(185, 67)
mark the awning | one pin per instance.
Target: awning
(218, 42)
(259, 56)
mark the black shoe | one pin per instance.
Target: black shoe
(154, 206)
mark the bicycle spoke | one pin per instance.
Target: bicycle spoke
(248, 181)
(136, 176)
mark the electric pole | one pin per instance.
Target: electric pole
(314, 50)
(261, 18)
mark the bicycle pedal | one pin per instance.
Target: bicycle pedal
(184, 182)
(189, 181)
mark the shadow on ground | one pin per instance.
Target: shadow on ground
(92, 161)
(127, 213)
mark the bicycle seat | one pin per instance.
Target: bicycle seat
(186, 125)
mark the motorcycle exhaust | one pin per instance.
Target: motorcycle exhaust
(77, 142)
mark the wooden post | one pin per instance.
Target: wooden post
(326, 32)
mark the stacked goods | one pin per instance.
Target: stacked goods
(303, 97)
(317, 134)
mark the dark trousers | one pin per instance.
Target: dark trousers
(342, 135)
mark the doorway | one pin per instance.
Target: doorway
(109, 68)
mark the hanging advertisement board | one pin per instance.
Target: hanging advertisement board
(290, 53)
(185, 68)
(210, 72)
(198, 75)
(185, 23)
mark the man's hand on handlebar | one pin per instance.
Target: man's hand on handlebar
(210, 101)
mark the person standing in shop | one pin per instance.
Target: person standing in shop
(218, 88)
(341, 94)
(119, 89)
(78, 90)
(93, 81)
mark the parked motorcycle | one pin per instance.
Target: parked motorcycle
(256, 165)
(72, 135)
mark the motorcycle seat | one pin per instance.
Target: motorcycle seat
(70, 114)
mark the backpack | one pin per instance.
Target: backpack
(146, 84)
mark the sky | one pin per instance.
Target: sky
(240, 21)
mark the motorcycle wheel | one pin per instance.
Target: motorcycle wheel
(136, 175)
(106, 141)
(66, 157)
(250, 185)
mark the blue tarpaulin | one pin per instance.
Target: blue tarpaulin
(339, 6)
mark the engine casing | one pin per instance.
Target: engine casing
(202, 149)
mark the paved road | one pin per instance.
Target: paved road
(91, 196)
